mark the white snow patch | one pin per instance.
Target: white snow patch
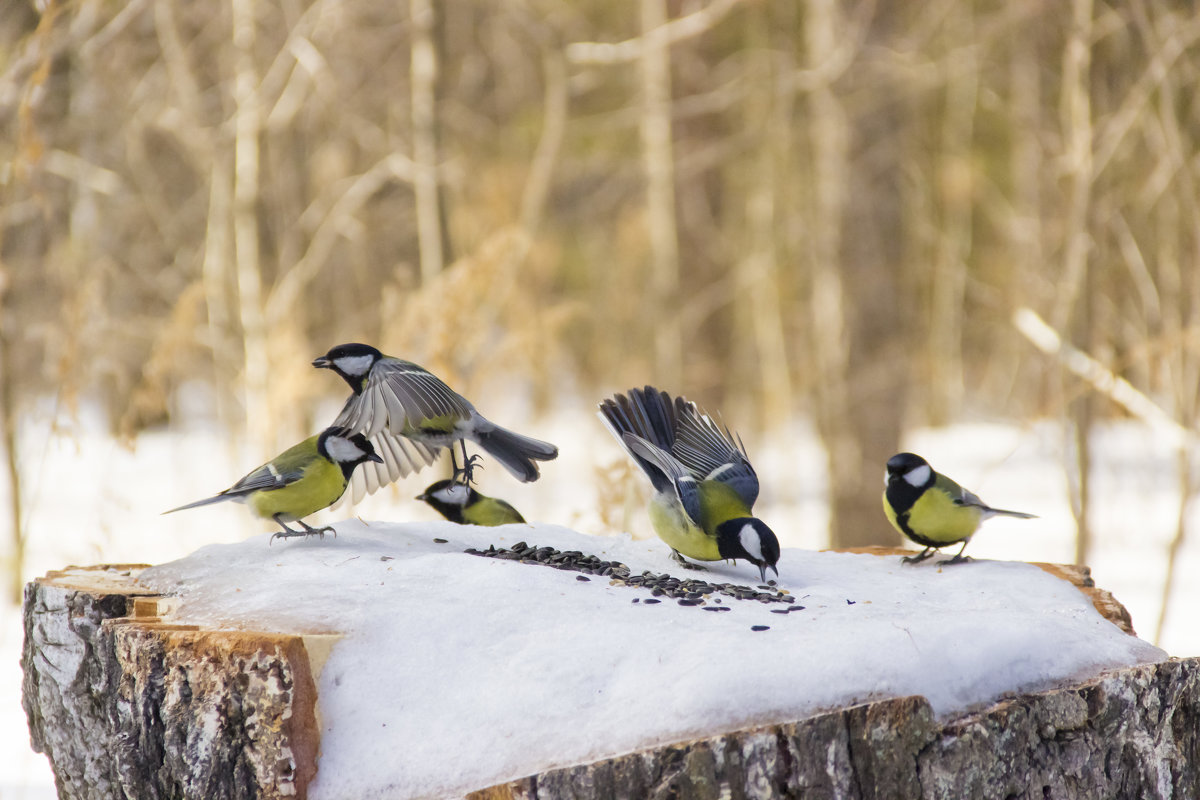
(458, 672)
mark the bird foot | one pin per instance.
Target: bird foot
(919, 557)
(466, 474)
(678, 558)
(307, 532)
(958, 559)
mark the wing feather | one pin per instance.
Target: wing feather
(709, 453)
(686, 488)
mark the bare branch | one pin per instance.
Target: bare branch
(630, 50)
(1100, 377)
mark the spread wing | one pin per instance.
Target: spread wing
(709, 453)
(685, 485)
(398, 397)
(400, 456)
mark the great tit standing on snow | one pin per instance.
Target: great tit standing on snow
(462, 504)
(400, 406)
(299, 481)
(932, 510)
(704, 485)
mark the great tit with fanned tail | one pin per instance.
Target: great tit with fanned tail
(301, 480)
(932, 510)
(704, 486)
(462, 504)
(400, 406)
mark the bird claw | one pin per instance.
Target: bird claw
(919, 557)
(677, 557)
(307, 532)
(465, 475)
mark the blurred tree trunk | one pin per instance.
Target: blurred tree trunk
(658, 162)
(1076, 117)
(953, 190)
(760, 282)
(247, 121)
(854, 303)
(8, 426)
(426, 184)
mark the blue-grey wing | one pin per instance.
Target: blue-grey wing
(265, 477)
(686, 487)
(710, 453)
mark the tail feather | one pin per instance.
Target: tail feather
(647, 414)
(517, 453)
(1000, 512)
(216, 498)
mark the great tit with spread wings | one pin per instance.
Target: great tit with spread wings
(932, 510)
(704, 486)
(403, 408)
(462, 504)
(301, 480)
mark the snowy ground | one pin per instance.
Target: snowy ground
(90, 501)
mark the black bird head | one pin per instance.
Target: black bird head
(351, 361)
(449, 498)
(345, 449)
(751, 539)
(910, 468)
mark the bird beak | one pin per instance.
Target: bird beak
(421, 496)
(322, 362)
(775, 569)
(762, 572)
(378, 459)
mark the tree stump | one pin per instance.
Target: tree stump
(126, 704)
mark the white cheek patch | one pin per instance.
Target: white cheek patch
(354, 365)
(751, 543)
(919, 476)
(454, 494)
(342, 450)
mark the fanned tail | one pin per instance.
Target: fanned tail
(517, 453)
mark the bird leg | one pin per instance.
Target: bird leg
(917, 559)
(959, 558)
(309, 530)
(678, 557)
(465, 476)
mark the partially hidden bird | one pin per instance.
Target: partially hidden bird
(404, 409)
(460, 503)
(932, 510)
(704, 485)
(300, 481)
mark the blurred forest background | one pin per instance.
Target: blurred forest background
(877, 215)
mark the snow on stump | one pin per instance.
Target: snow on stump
(530, 661)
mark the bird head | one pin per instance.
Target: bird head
(351, 361)
(751, 539)
(346, 449)
(446, 492)
(910, 468)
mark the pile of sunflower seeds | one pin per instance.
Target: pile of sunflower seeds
(687, 591)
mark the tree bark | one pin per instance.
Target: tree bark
(125, 706)
(1128, 734)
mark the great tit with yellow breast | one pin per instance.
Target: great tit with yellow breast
(932, 510)
(401, 406)
(703, 482)
(301, 480)
(462, 504)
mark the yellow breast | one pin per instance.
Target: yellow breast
(675, 528)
